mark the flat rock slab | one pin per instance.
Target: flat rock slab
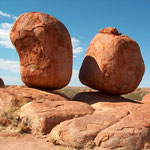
(120, 125)
(18, 95)
(42, 116)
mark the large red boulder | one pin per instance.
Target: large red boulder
(113, 63)
(45, 50)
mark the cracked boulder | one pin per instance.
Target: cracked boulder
(120, 125)
(2, 85)
(113, 63)
(42, 116)
(45, 51)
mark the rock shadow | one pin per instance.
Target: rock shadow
(94, 97)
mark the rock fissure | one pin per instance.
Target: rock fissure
(113, 124)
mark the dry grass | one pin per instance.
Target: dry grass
(11, 116)
(138, 94)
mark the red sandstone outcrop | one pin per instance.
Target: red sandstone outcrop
(15, 96)
(113, 63)
(113, 125)
(111, 122)
(42, 116)
(45, 50)
(2, 85)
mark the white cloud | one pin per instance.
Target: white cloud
(8, 15)
(4, 35)
(77, 49)
(6, 25)
(10, 80)
(12, 66)
(75, 42)
(75, 74)
(4, 14)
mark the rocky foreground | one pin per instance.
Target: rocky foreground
(92, 120)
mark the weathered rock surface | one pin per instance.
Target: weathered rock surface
(14, 96)
(42, 116)
(114, 125)
(113, 63)
(45, 50)
(146, 98)
(2, 85)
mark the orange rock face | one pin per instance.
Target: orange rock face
(45, 50)
(146, 98)
(42, 116)
(15, 96)
(113, 63)
(2, 85)
(121, 125)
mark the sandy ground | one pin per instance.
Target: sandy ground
(25, 142)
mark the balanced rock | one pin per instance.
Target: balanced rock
(45, 50)
(119, 126)
(2, 85)
(113, 63)
(42, 116)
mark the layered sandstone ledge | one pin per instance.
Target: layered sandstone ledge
(111, 122)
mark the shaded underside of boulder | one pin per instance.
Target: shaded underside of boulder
(2, 85)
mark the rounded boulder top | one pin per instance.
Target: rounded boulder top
(45, 50)
(110, 30)
(113, 63)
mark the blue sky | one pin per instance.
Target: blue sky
(83, 19)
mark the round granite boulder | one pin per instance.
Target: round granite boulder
(45, 50)
(113, 63)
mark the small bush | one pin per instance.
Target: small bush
(138, 94)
